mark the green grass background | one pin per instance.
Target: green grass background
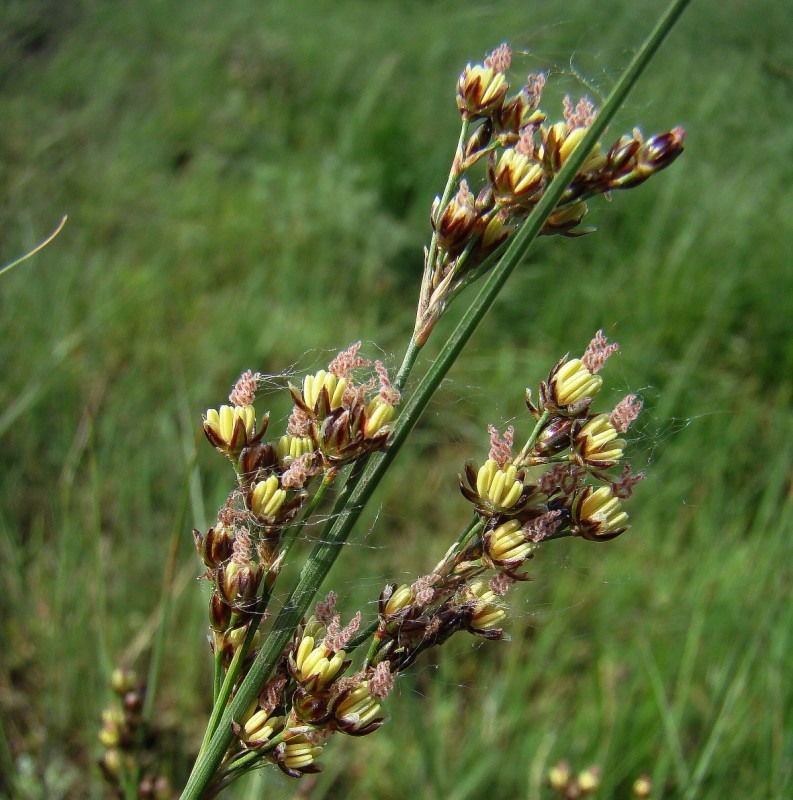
(248, 186)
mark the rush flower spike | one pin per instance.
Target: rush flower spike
(284, 699)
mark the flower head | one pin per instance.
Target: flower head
(457, 221)
(231, 428)
(313, 663)
(572, 384)
(517, 179)
(485, 611)
(356, 709)
(496, 490)
(507, 545)
(258, 728)
(295, 755)
(482, 88)
(596, 444)
(597, 514)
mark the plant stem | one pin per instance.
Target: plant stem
(356, 493)
(224, 690)
(362, 636)
(454, 174)
(532, 439)
(166, 602)
(217, 678)
(39, 246)
(291, 534)
(458, 545)
(411, 354)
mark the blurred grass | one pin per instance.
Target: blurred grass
(249, 187)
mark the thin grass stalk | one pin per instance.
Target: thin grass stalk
(673, 741)
(355, 493)
(100, 597)
(8, 766)
(40, 246)
(166, 599)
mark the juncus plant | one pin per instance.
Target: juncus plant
(284, 688)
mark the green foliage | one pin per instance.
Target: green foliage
(249, 186)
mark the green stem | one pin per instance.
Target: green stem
(244, 760)
(533, 438)
(128, 781)
(408, 362)
(238, 767)
(371, 652)
(249, 761)
(39, 246)
(458, 546)
(224, 690)
(454, 174)
(217, 679)
(441, 569)
(356, 493)
(290, 536)
(362, 636)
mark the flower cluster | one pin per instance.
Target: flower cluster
(336, 420)
(522, 152)
(310, 697)
(130, 744)
(342, 419)
(561, 480)
(566, 480)
(570, 786)
(558, 484)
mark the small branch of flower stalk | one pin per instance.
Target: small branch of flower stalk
(523, 155)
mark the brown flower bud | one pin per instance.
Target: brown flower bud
(219, 613)
(657, 153)
(457, 221)
(565, 219)
(257, 456)
(623, 154)
(478, 140)
(238, 583)
(216, 546)
(554, 437)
